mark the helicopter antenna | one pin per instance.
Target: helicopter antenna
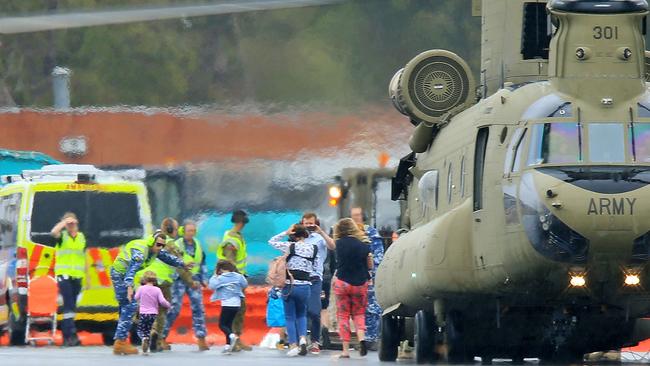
(54, 21)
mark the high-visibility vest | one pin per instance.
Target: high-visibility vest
(238, 241)
(71, 256)
(121, 263)
(198, 254)
(164, 272)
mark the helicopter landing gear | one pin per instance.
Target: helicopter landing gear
(389, 338)
(425, 337)
(455, 338)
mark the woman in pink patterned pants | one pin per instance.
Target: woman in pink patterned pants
(351, 284)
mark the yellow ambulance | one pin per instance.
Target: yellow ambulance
(113, 209)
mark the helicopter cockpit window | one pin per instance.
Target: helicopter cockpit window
(428, 189)
(519, 153)
(514, 142)
(607, 142)
(644, 109)
(639, 143)
(555, 143)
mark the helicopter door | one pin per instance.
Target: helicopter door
(487, 251)
(479, 166)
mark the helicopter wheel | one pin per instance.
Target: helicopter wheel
(457, 350)
(425, 337)
(389, 338)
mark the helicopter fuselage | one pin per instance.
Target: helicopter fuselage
(530, 211)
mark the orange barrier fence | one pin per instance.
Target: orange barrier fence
(254, 324)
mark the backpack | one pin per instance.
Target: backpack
(278, 274)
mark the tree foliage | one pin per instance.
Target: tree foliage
(343, 55)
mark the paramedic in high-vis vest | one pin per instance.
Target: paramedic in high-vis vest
(192, 252)
(133, 256)
(70, 270)
(167, 275)
(233, 249)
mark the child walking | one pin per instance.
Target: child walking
(228, 286)
(150, 298)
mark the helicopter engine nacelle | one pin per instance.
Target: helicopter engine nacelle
(432, 84)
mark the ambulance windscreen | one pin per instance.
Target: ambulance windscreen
(107, 219)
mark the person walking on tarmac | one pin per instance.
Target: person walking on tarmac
(132, 257)
(70, 270)
(167, 275)
(323, 242)
(151, 299)
(192, 252)
(233, 249)
(354, 261)
(373, 311)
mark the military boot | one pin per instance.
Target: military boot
(244, 347)
(121, 347)
(203, 346)
(163, 345)
(153, 342)
(145, 346)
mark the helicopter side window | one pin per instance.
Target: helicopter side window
(606, 143)
(555, 143)
(639, 143)
(450, 184)
(535, 36)
(428, 189)
(462, 176)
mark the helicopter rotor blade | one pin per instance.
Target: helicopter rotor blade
(54, 21)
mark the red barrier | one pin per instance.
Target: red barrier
(254, 325)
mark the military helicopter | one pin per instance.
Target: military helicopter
(526, 197)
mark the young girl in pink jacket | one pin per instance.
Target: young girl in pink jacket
(150, 298)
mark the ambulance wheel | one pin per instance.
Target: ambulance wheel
(424, 337)
(16, 330)
(389, 338)
(107, 337)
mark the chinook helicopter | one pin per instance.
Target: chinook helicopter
(526, 197)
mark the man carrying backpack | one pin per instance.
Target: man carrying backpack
(300, 258)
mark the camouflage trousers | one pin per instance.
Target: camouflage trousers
(238, 323)
(179, 289)
(373, 316)
(161, 319)
(127, 309)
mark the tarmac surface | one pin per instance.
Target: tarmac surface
(181, 355)
(187, 355)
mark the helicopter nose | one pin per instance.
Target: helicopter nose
(569, 223)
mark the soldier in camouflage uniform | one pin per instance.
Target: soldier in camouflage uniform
(191, 251)
(167, 275)
(373, 310)
(133, 256)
